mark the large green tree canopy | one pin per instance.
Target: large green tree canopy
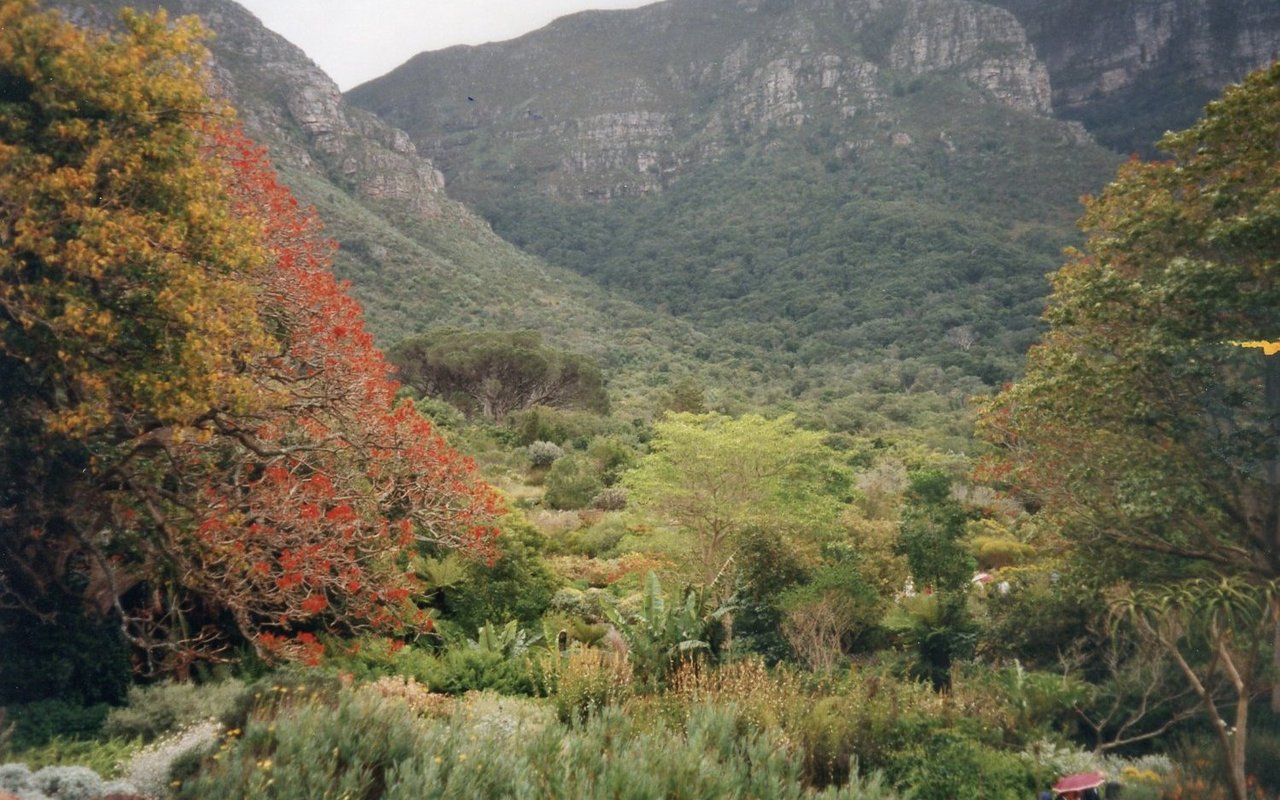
(493, 373)
(1140, 422)
(197, 436)
(717, 477)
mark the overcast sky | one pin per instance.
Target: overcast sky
(358, 40)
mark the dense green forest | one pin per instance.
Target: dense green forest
(239, 559)
(942, 246)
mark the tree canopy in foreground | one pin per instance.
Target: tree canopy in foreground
(198, 435)
(1140, 421)
(1149, 417)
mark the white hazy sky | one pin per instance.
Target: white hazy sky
(358, 40)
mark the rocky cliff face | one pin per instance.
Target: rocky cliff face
(613, 104)
(986, 45)
(290, 104)
(1131, 69)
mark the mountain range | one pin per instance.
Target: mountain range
(847, 207)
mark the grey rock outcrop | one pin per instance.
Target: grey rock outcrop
(986, 45)
(1130, 69)
(612, 104)
(290, 104)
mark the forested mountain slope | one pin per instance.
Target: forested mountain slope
(417, 259)
(845, 182)
(817, 204)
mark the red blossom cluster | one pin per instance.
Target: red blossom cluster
(313, 504)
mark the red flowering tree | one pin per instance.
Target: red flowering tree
(198, 433)
(310, 506)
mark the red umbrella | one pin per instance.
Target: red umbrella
(1079, 782)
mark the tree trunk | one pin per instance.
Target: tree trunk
(1271, 395)
(1275, 659)
(1239, 781)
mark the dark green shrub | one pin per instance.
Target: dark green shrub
(74, 659)
(442, 414)
(1039, 620)
(572, 482)
(519, 585)
(36, 724)
(767, 567)
(542, 423)
(1263, 757)
(612, 455)
(837, 731)
(467, 669)
(367, 660)
(867, 716)
(948, 767)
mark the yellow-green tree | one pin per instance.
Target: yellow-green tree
(124, 305)
(716, 477)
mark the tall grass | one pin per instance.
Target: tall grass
(363, 746)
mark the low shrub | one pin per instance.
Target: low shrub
(491, 716)
(414, 695)
(467, 670)
(284, 688)
(600, 539)
(104, 756)
(372, 658)
(611, 498)
(364, 747)
(587, 681)
(1141, 784)
(40, 722)
(58, 783)
(864, 717)
(950, 766)
(572, 482)
(312, 750)
(766, 700)
(544, 454)
(613, 455)
(165, 707)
